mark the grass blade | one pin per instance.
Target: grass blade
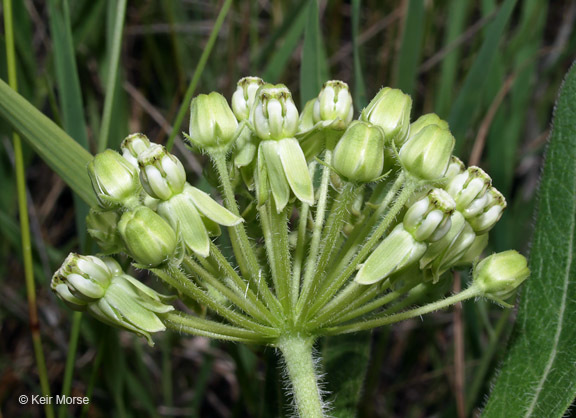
(466, 104)
(359, 87)
(314, 67)
(540, 361)
(112, 75)
(409, 54)
(64, 155)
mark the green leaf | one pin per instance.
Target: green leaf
(538, 376)
(314, 68)
(57, 149)
(345, 361)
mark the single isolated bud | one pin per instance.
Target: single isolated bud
(103, 228)
(426, 155)
(244, 96)
(274, 115)
(334, 103)
(469, 190)
(390, 110)
(500, 274)
(359, 155)
(484, 220)
(85, 278)
(396, 252)
(426, 120)
(429, 218)
(148, 238)
(134, 145)
(114, 180)
(162, 174)
(100, 287)
(212, 122)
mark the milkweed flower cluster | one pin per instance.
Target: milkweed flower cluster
(336, 224)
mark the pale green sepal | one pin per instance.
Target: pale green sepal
(269, 152)
(181, 214)
(246, 146)
(157, 301)
(210, 208)
(261, 180)
(396, 251)
(296, 169)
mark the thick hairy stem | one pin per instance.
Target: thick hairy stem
(297, 353)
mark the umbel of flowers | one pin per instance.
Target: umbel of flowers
(336, 225)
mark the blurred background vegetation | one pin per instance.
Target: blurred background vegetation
(491, 68)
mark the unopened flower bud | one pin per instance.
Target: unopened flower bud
(484, 219)
(447, 251)
(102, 227)
(114, 180)
(334, 103)
(390, 110)
(161, 173)
(359, 155)
(426, 120)
(86, 279)
(469, 190)
(212, 122)
(149, 239)
(429, 218)
(500, 274)
(274, 115)
(397, 251)
(426, 155)
(455, 167)
(100, 287)
(244, 96)
(134, 145)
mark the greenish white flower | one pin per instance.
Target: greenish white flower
(134, 145)
(282, 167)
(429, 218)
(334, 103)
(498, 275)
(190, 212)
(485, 217)
(212, 123)
(114, 180)
(469, 190)
(162, 174)
(100, 287)
(446, 252)
(148, 238)
(455, 167)
(359, 155)
(396, 252)
(426, 154)
(274, 115)
(390, 110)
(244, 96)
